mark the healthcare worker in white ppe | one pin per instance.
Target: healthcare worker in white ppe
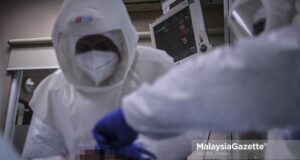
(253, 85)
(96, 47)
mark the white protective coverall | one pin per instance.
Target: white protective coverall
(253, 85)
(6, 151)
(67, 104)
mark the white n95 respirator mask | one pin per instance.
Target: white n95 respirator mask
(98, 65)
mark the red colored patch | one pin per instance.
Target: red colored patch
(78, 20)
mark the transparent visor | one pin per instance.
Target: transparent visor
(247, 18)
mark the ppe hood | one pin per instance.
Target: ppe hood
(79, 18)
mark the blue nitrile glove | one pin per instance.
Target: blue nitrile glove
(113, 130)
(292, 134)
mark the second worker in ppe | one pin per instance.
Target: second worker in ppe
(96, 47)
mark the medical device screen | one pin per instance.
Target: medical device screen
(175, 35)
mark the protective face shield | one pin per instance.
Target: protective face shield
(97, 56)
(252, 17)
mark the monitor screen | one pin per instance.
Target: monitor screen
(175, 35)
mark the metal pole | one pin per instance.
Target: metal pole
(13, 104)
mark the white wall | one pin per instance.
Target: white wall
(21, 19)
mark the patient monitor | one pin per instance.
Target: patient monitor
(181, 31)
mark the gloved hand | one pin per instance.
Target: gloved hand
(113, 131)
